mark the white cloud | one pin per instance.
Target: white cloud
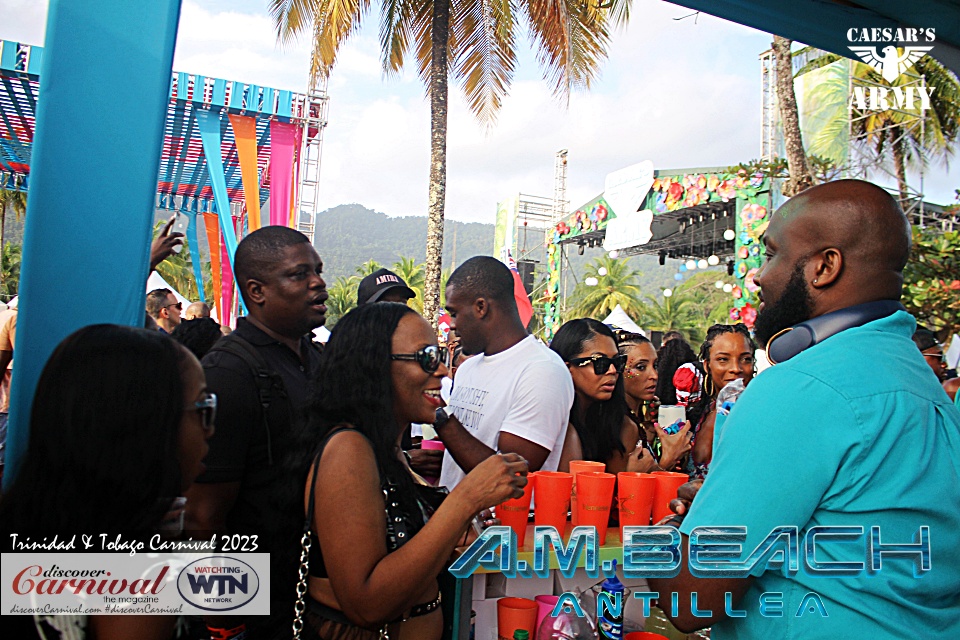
(682, 93)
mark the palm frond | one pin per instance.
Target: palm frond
(396, 30)
(291, 17)
(484, 54)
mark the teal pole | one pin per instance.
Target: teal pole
(104, 88)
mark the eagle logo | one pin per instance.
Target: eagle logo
(890, 64)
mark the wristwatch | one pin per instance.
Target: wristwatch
(441, 418)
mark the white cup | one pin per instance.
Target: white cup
(671, 414)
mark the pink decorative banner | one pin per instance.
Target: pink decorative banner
(283, 142)
(226, 290)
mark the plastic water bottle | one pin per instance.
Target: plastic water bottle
(610, 625)
(728, 396)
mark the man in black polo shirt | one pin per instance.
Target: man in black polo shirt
(256, 468)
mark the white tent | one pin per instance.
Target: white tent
(619, 318)
(156, 281)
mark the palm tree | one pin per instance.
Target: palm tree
(476, 43)
(343, 298)
(898, 135)
(12, 254)
(411, 273)
(368, 268)
(177, 270)
(616, 284)
(16, 201)
(801, 177)
(691, 308)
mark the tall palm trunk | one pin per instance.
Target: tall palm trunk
(801, 177)
(438, 158)
(899, 163)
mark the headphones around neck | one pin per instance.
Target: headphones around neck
(789, 342)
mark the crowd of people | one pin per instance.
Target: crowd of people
(314, 448)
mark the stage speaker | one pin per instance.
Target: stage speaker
(527, 269)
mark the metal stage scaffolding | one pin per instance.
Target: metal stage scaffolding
(184, 181)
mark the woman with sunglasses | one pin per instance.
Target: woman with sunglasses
(602, 430)
(118, 430)
(379, 537)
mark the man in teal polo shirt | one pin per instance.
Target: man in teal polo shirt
(850, 431)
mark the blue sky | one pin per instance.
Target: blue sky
(682, 93)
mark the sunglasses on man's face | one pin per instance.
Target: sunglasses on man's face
(429, 358)
(178, 305)
(601, 364)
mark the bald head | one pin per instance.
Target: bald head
(858, 217)
(863, 223)
(833, 246)
(196, 310)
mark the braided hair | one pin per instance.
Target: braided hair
(702, 405)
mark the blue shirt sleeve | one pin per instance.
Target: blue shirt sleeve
(776, 456)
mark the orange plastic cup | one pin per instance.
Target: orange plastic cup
(580, 466)
(636, 494)
(667, 484)
(552, 499)
(513, 513)
(513, 614)
(593, 503)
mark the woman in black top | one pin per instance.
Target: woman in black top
(118, 430)
(382, 543)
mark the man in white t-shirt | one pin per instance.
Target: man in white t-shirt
(515, 394)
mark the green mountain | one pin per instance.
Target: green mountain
(350, 234)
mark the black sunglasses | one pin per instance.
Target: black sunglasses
(429, 358)
(601, 364)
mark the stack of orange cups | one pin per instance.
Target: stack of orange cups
(513, 513)
(636, 495)
(552, 499)
(579, 466)
(594, 500)
(667, 484)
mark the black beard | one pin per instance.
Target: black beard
(794, 306)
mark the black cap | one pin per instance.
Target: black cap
(375, 285)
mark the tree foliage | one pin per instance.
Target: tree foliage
(177, 270)
(693, 307)
(931, 280)
(617, 285)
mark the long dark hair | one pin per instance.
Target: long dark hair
(672, 356)
(599, 430)
(102, 455)
(703, 404)
(354, 387)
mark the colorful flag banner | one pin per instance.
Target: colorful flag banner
(283, 139)
(245, 131)
(524, 306)
(209, 124)
(212, 227)
(194, 245)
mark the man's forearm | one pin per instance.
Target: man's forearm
(466, 450)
